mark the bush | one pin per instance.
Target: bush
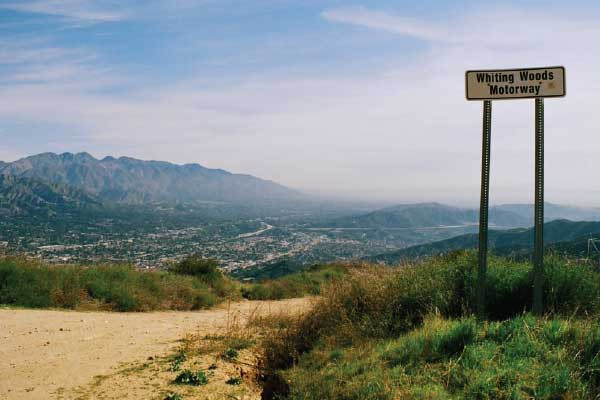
(206, 269)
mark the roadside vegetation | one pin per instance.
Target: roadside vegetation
(409, 333)
(373, 332)
(308, 282)
(34, 284)
(191, 284)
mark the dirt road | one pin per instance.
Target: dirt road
(46, 354)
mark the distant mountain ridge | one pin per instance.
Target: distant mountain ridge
(427, 215)
(128, 180)
(502, 242)
(552, 212)
(423, 215)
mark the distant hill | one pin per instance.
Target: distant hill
(552, 212)
(503, 242)
(27, 196)
(127, 180)
(426, 215)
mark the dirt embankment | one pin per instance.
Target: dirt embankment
(63, 354)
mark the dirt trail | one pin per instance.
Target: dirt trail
(47, 354)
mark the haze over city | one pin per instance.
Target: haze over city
(362, 100)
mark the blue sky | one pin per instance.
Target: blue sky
(347, 98)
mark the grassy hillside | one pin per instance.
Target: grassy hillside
(34, 284)
(408, 333)
(193, 283)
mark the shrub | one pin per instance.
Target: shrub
(207, 269)
(194, 378)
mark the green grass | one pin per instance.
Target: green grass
(35, 284)
(308, 282)
(194, 283)
(408, 333)
(520, 358)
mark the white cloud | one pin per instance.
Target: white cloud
(87, 10)
(406, 133)
(388, 22)
(496, 27)
(37, 60)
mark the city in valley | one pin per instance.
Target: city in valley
(237, 244)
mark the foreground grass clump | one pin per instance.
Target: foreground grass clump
(519, 358)
(308, 282)
(34, 284)
(194, 378)
(377, 306)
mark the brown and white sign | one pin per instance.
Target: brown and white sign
(515, 83)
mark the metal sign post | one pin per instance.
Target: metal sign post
(484, 206)
(501, 84)
(538, 249)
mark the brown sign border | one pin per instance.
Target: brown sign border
(515, 69)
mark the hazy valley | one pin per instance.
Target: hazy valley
(74, 208)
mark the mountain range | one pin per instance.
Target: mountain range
(130, 181)
(51, 184)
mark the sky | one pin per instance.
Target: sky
(361, 100)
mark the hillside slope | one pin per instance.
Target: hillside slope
(31, 197)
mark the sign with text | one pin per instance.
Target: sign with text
(515, 83)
